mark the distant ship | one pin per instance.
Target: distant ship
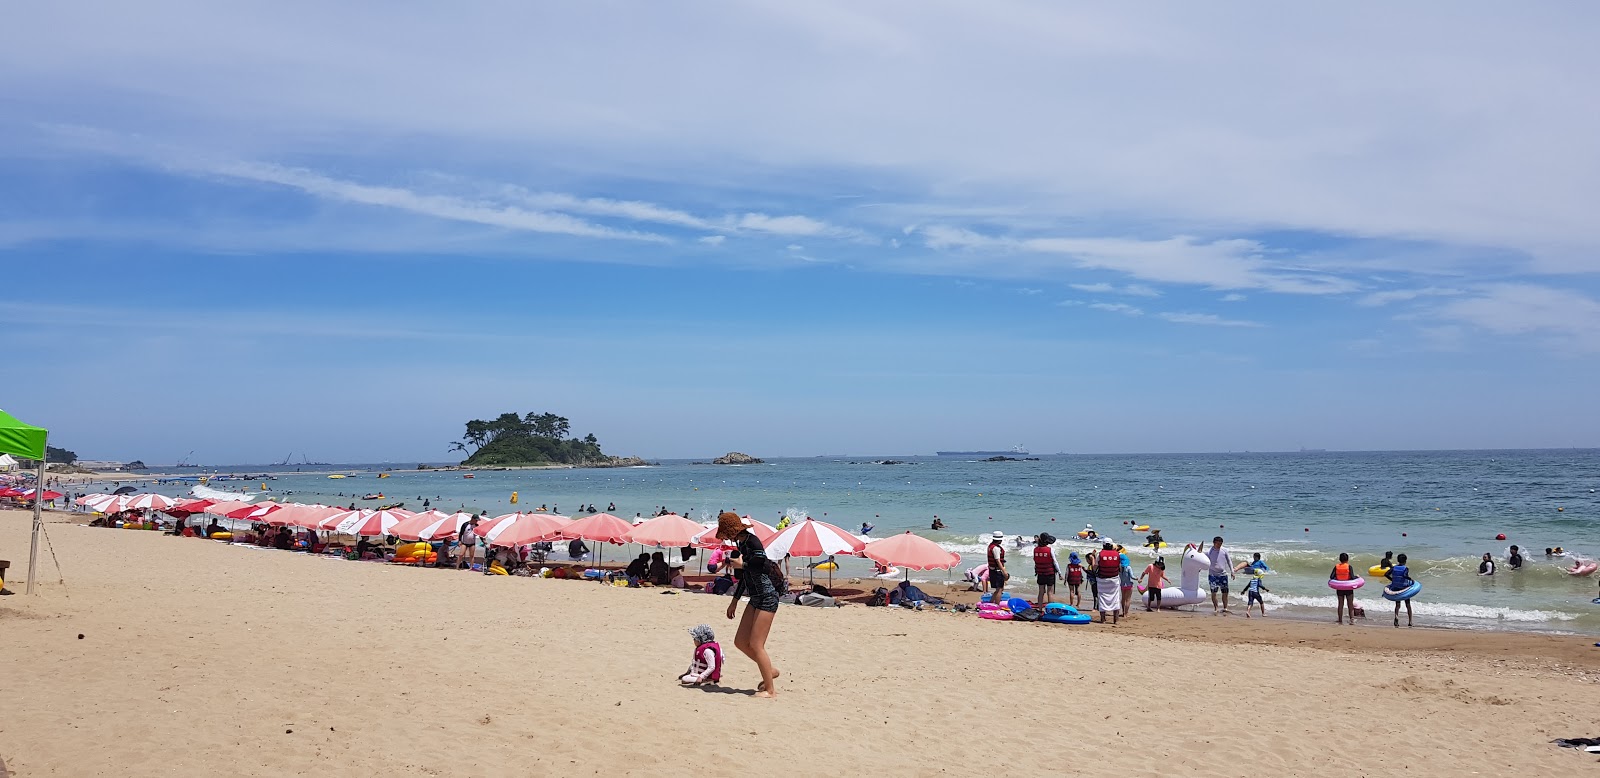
(1015, 450)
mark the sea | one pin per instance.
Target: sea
(1299, 510)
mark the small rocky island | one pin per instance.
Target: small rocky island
(736, 458)
(1010, 459)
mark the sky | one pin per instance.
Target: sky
(235, 231)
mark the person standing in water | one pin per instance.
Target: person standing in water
(750, 559)
(1400, 580)
(1221, 570)
(1486, 567)
(1345, 599)
(1515, 560)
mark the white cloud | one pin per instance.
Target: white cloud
(1569, 319)
(781, 225)
(632, 210)
(1122, 308)
(1377, 299)
(1209, 319)
(1234, 297)
(1336, 120)
(713, 240)
(1029, 291)
(1135, 290)
(437, 206)
(1217, 264)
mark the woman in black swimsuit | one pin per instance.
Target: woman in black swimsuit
(750, 559)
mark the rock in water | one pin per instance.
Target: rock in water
(735, 458)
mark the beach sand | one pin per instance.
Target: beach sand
(202, 659)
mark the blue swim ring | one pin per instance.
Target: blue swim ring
(1058, 613)
(1404, 594)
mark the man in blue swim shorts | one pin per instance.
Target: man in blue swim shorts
(1221, 569)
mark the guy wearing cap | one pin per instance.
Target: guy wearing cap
(997, 566)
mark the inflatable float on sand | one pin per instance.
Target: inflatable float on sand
(1191, 589)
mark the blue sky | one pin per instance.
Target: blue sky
(797, 228)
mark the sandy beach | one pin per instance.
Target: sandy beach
(197, 658)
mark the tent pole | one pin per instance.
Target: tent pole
(38, 518)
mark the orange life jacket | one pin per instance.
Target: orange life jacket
(1341, 572)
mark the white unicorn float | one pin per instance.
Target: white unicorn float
(1191, 588)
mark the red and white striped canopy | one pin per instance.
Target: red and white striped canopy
(253, 512)
(85, 499)
(528, 528)
(227, 507)
(912, 552)
(763, 532)
(669, 531)
(813, 538)
(600, 528)
(103, 503)
(194, 506)
(159, 502)
(371, 524)
(431, 525)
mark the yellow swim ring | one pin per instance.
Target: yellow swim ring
(828, 566)
(1141, 528)
(1375, 570)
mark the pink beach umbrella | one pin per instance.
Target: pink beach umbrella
(911, 552)
(812, 538)
(669, 531)
(431, 525)
(527, 529)
(372, 524)
(600, 528)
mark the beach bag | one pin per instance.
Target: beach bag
(879, 598)
(1027, 614)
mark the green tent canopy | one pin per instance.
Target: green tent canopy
(24, 440)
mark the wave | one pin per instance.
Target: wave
(1436, 609)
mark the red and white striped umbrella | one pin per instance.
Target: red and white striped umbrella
(490, 527)
(528, 528)
(85, 499)
(763, 532)
(100, 503)
(669, 531)
(331, 521)
(431, 525)
(254, 512)
(159, 502)
(813, 538)
(194, 506)
(372, 524)
(226, 507)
